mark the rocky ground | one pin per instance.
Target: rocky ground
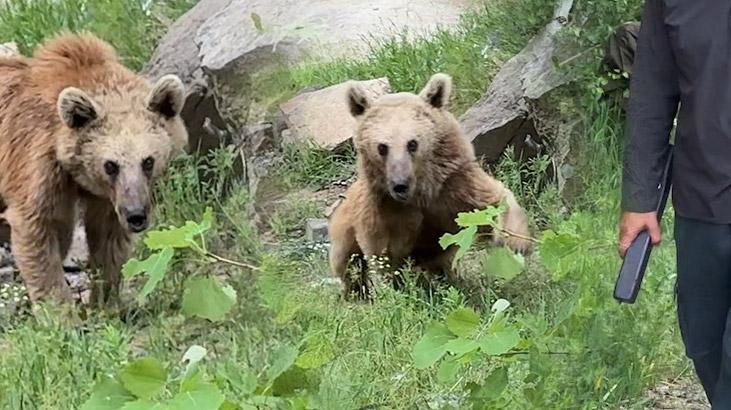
(685, 393)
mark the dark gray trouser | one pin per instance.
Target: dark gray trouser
(704, 298)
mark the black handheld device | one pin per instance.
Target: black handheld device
(635, 260)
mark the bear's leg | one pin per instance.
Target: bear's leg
(109, 246)
(36, 247)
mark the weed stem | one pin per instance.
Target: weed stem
(230, 262)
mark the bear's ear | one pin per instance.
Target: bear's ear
(76, 108)
(358, 100)
(437, 90)
(167, 96)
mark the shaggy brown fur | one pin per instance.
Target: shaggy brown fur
(79, 129)
(416, 172)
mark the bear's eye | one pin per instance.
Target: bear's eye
(412, 146)
(383, 149)
(111, 168)
(148, 163)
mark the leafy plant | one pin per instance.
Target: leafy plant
(500, 263)
(205, 297)
(463, 339)
(145, 384)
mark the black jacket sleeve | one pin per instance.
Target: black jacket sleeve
(653, 104)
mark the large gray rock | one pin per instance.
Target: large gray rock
(218, 45)
(501, 118)
(323, 116)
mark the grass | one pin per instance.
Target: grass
(133, 26)
(595, 353)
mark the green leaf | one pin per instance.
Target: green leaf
(156, 266)
(204, 396)
(447, 372)
(318, 352)
(205, 297)
(503, 264)
(491, 389)
(144, 377)
(485, 217)
(282, 359)
(294, 380)
(134, 267)
(257, 22)
(181, 237)
(108, 395)
(461, 346)
(192, 356)
(142, 404)
(499, 342)
(227, 405)
(463, 322)
(432, 346)
(554, 250)
(463, 239)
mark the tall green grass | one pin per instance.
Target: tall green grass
(132, 26)
(472, 52)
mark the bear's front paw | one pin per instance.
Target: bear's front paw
(514, 232)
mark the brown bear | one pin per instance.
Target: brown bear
(77, 128)
(415, 173)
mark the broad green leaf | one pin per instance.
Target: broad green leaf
(142, 404)
(463, 322)
(171, 238)
(144, 377)
(461, 346)
(282, 359)
(500, 305)
(485, 217)
(318, 352)
(205, 297)
(156, 266)
(447, 372)
(151, 265)
(554, 250)
(503, 264)
(108, 395)
(192, 356)
(293, 380)
(463, 239)
(257, 22)
(180, 237)
(499, 342)
(205, 396)
(227, 405)
(491, 389)
(432, 346)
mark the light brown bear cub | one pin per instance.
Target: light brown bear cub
(415, 173)
(79, 129)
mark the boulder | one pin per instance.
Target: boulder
(316, 230)
(219, 44)
(323, 116)
(502, 117)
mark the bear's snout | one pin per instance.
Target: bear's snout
(136, 218)
(400, 190)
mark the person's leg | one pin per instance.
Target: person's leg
(722, 392)
(703, 289)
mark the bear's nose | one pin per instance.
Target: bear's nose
(136, 219)
(401, 188)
